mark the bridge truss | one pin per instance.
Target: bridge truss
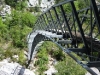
(79, 30)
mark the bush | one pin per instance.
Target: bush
(42, 57)
(3, 30)
(28, 19)
(2, 56)
(42, 69)
(17, 4)
(21, 59)
(8, 53)
(58, 54)
(20, 24)
(65, 64)
(69, 67)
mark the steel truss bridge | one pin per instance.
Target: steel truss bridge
(75, 31)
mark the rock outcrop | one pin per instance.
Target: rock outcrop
(12, 68)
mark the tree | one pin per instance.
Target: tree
(19, 26)
(3, 29)
(17, 4)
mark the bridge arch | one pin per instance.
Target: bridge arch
(71, 29)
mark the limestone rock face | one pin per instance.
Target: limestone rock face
(43, 4)
(13, 69)
(51, 71)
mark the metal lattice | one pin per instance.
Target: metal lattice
(79, 30)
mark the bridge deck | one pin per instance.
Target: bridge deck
(76, 27)
(31, 37)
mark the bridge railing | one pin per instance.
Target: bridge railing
(57, 19)
(81, 26)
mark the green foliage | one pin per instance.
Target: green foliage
(28, 19)
(36, 9)
(65, 64)
(42, 59)
(58, 54)
(67, 8)
(21, 5)
(3, 30)
(2, 54)
(42, 69)
(10, 52)
(21, 59)
(19, 25)
(21, 19)
(69, 67)
(11, 2)
(80, 4)
(2, 25)
(17, 4)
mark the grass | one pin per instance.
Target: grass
(65, 64)
(42, 61)
(8, 51)
(69, 67)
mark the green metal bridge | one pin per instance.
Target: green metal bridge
(79, 30)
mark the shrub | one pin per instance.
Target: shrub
(19, 26)
(58, 54)
(8, 53)
(69, 67)
(21, 59)
(42, 57)
(17, 4)
(2, 56)
(3, 30)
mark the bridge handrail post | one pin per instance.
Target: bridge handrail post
(35, 27)
(80, 26)
(41, 23)
(38, 22)
(66, 21)
(48, 22)
(51, 25)
(52, 21)
(44, 21)
(96, 13)
(58, 19)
